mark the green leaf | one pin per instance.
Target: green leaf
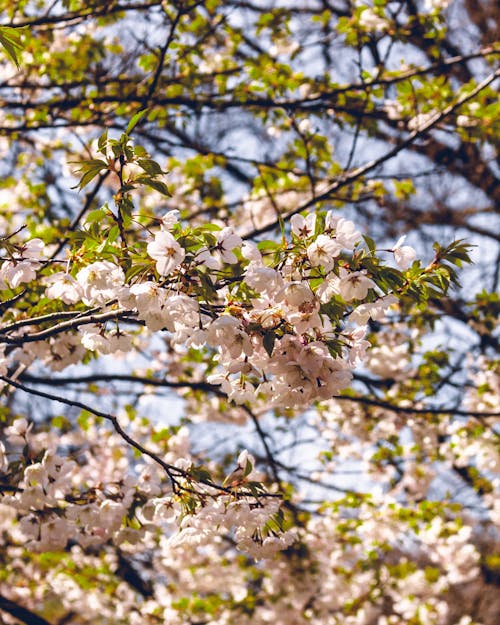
(140, 151)
(135, 120)
(268, 342)
(199, 473)
(113, 234)
(150, 167)
(256, 488)
(96, 215)
(248, 468)
(90, 170)
(102, 142)
(268, 246)
(161, 187)
(370, 243)
(11, 40)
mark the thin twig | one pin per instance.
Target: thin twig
(212, 388)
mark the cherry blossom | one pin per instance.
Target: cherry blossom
(99, 282)
(322, 251)
(303, 227)
(63, 286)
(372, 21)
(4, 463)
(17, 433)
(24, 264)
(345, 231)
(354, 285)
(225, 400)
(169, 219)
(404, 255)
(167, 253)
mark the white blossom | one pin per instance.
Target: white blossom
(436, 5)
(322, 251)
(372, 310)
(303, 227)
(295, 294)
(4, 462)
(404, 255)
(14, 273)
(169, 220)
(421, 121)
(167, 252)
(64, 287)
(100, 282)
(354, 285)
(17, 432)
(227, 242)
(371, 21)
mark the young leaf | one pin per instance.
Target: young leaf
(157, 185)
(102, 142)
(268, 342)
(248, 468)
(90, 169)
(11, 40)
(135, 120)
(370, 244)
(150, 167)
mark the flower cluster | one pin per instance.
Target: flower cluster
(50, 494)
(206, 362)
(22, 265)
(281, 344)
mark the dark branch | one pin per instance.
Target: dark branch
(22, 614)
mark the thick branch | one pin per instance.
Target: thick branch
(22, 614)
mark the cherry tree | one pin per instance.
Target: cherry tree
(249, 283)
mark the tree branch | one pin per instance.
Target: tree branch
(349, 177)
(211, 388)
(22, 614)
(172, 471)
